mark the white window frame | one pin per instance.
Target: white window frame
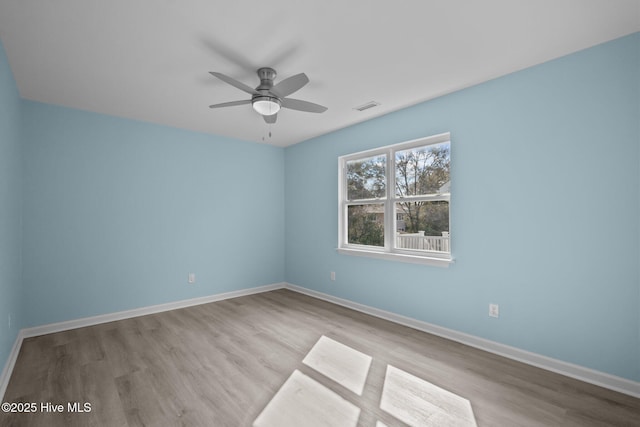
(389, 251)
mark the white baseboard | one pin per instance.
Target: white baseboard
(8, 367)
(143, 311)
(581, 373)
(111, 317)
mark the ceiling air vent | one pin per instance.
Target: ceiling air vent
(366, 106)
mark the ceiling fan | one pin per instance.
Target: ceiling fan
(267, 99)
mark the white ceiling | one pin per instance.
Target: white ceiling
(149, 59)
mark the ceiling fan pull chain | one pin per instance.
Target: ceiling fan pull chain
(268, 134)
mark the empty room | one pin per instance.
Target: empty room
(301, 214)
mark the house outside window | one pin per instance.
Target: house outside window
(394, 202)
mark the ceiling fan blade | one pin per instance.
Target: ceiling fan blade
(231, 104)
(270, 119)
(289, 85)
(297, 104)
(235, 83)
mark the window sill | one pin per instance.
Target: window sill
(414, 259)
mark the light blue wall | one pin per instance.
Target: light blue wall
(10, 210)
(118, 212)
(545, 211)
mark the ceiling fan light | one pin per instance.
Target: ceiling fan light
(266, 105)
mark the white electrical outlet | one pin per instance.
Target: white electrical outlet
(494, 310)
(192, 278)
(333, 276)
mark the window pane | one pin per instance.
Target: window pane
(366, 178)
(423, 170)
(366, 224)
(423, 226)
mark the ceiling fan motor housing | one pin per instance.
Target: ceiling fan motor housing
(267, 76)
(266, 103)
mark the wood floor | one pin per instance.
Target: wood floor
(220, 364)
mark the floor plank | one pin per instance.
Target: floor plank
(220, 364)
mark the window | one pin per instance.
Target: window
(394, 202)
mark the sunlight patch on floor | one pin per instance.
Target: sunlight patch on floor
(420, 403)
(341, 363)
(302, 401)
